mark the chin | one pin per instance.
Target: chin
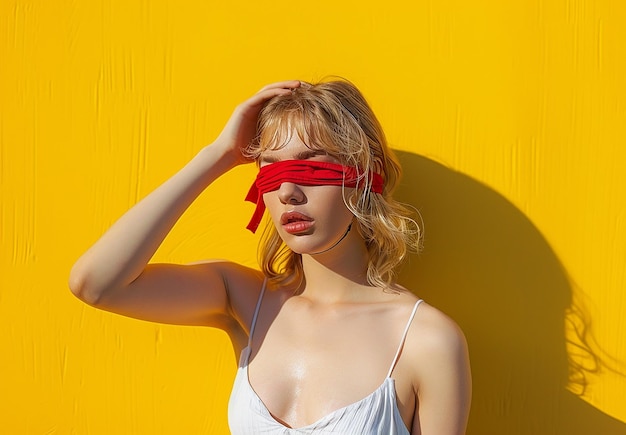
(313, 242)
(303, 248)
(302, 244)
(311, 248)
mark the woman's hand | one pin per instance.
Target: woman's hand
(114, 273)
(241, 128)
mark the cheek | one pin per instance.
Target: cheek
(271, 202)
(341, 197)
(333, 204)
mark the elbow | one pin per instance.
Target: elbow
(79, 286)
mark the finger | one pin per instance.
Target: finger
(264, 95)
(287, 84)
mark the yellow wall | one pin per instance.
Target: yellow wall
(511, 122)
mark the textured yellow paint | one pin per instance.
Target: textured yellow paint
(520, 108)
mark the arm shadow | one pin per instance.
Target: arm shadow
(488, 267)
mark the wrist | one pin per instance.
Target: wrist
(217, 159)
(227, 153)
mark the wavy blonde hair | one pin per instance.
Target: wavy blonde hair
(334, 116)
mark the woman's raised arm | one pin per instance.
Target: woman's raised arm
(114, 273)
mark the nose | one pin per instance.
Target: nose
(290, 193)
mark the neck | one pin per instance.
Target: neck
(338, 274)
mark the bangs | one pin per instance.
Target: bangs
(285, 116)
(280, 128)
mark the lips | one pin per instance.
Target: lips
(293, 216)
(296, 223)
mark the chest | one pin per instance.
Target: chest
(305, 364)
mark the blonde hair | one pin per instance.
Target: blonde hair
(334, 116)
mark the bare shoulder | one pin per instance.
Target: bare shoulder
(437, 354)
(233, 274)
(242, 285)
(434, 333)
(431, 330)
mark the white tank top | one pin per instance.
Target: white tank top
(376, 414)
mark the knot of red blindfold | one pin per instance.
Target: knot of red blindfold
(304, 173)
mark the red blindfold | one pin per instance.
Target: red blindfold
(304, 173)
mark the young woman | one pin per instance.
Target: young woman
(329, 343)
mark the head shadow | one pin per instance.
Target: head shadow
(488, 267)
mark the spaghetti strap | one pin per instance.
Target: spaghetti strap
(256, 312)
(404, 334)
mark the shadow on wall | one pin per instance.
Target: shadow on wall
(489, 268)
